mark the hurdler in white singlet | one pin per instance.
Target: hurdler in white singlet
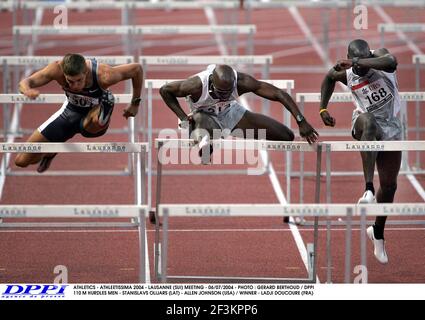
(377, 93)
(206, 102)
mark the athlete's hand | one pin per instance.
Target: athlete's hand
(327, 119)
(343, 64)
(186, 122)
(308, 132)
(130, 111)
(31, 93)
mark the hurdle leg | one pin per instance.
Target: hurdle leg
(317, 200)
(142, 246)
(347, 275)
(158, 201)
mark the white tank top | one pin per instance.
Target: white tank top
(376, 92)
(205, 101)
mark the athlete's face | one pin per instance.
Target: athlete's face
(219, 90)
(76, 83)
(361, 71)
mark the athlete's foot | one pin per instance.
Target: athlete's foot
(205, 150)
(45, 163)
(379, 245)
(367, 197)
(297, 220)
(152, 218)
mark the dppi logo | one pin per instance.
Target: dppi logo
(14, 291)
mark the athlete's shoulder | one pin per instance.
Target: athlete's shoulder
(54, 70)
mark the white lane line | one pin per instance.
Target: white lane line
(209, 12)
(309, 35)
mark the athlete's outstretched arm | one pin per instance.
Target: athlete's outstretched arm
(178, 89)
(38, 79)
(247, 83)
(113, 75)
(327, 88)
(381, 59)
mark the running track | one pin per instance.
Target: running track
(207, 246)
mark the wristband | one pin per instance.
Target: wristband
(322, 110)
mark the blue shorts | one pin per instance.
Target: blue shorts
(68, 121)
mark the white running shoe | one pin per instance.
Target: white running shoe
(205, 149)
(379, 245)
(367, 197)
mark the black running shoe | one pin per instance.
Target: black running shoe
(45, 163)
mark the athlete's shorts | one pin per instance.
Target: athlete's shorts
(228, 118)
(68, 121)
(391, 129)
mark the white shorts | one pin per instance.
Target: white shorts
(391, 129)
(228, 118)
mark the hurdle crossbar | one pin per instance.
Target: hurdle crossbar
(53, 147)
(202, 60)
(302, 209)
(138, 29)
(44, 60)
(238, 144)
(169, 4)
(404, 27)
(406, 145)
(347, 97)
(70, 211)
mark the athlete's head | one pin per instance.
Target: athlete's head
(222, 82)
(75, 71)
(359, 49)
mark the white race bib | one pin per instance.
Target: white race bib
(373, 96)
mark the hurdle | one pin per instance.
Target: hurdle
(136, 212)
(241, 145)
(356, 146)
(344, 97)
(398, 27)
(139, 149)
(135, 31)
(418, 59)
(127, 7)
(272, 210)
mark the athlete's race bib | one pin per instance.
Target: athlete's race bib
(217, 108)
(82, 101)
(373, 96)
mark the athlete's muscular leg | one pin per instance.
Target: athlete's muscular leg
(388, 164)
(274, 129)
(367, 129)
(25, 159)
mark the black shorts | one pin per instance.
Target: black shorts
(65, 123)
